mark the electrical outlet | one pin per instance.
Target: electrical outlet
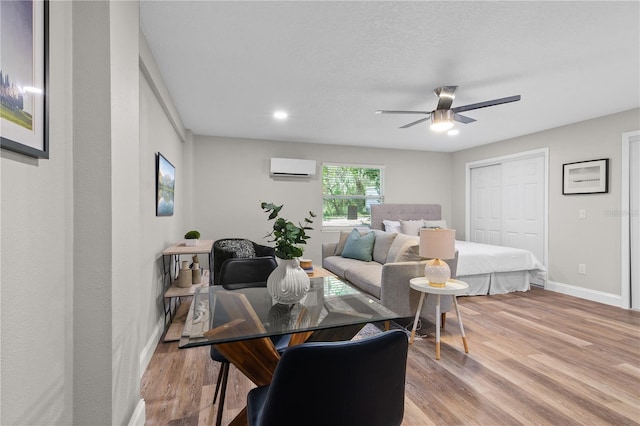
(582, 214)
(582, 269)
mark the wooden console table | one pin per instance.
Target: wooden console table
(173, 294)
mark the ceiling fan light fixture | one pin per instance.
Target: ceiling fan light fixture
(441, 120)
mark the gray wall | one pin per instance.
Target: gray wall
(231, 178)
(157, 135)
(79, 280)
(36, 280)
(594, 241)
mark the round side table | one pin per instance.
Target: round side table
(453, 288)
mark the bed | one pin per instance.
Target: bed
(488, 269)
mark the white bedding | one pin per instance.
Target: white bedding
(476, 259)
(486, 268)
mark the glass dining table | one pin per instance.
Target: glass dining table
(239, 319)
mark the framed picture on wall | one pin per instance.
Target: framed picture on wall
(24, 72)
(585, 177)
(165, 186)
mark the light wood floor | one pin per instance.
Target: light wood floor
(537, 357)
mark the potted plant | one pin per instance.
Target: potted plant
(286, 234)
(192, 238)
(288, 283)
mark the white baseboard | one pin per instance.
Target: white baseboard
(150, 347)
(585, 293)
(138, 417)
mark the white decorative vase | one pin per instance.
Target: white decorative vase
(288, 283)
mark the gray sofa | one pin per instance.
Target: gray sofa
(386, 277)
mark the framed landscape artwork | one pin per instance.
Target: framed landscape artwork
(165, 186)
(24, 77)
(585, 177)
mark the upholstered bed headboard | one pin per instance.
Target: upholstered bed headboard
(380, 212)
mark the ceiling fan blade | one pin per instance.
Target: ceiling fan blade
(463, 118)
(414, 123)
(486, 104)
(381, 111)
(445, 95)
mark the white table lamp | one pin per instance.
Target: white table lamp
(437, 244)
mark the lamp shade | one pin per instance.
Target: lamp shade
(438, 243)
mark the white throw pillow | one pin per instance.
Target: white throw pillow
(391, 225)
(411, 227)
(442, 224)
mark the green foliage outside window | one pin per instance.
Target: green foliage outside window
(348, 192)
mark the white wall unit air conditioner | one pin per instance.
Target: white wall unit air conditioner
(292, 167)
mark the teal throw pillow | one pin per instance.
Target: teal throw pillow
(358, 246)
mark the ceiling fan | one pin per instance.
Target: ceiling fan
(443, 116)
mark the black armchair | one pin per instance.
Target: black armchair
(358, 382)
(236, 273)
(233, 248)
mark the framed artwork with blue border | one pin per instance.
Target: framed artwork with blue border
(24, 74)
(165, 186)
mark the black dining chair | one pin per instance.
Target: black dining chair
(357, 382)
(238, 273)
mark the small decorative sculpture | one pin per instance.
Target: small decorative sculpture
(184, 277)
(196, 274)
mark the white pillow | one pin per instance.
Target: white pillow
(411, 227)
(391, 225)
(442, 224)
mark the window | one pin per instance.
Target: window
(348, 192)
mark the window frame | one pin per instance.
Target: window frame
(380, 196)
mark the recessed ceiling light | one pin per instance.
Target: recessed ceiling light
(453, 132)
(280, 115)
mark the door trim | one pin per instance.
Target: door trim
(503, 159)
(625, 211)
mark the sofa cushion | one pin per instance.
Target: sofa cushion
(411, 227)
(410, 253)
(401, 243)
(341, 241)
(339, 265)
(366, 276)
(344, 235)
(382, 245)
(241, 248)
(359, 246)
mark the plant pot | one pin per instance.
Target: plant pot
(288, 283)
(191, 242)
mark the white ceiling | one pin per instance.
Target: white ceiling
(230, 65)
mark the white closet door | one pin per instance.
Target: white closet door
(523, 205)
(507, 204)
(486, 205)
